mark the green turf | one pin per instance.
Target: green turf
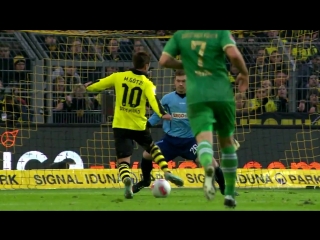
(180, 199)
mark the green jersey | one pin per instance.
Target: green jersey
(204, 62)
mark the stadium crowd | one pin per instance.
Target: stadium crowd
(271, 56)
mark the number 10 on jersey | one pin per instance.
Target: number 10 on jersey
(134, 95)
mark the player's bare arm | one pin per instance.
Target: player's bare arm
(237, 60)
(167, 61)
(169, 53)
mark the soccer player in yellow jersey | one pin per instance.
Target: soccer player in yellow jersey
(133, 89)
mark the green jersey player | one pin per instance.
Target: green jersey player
(210, 102)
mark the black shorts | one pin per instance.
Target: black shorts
(124, 138)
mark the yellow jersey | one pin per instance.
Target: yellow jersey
(255, 103)
(132, 89)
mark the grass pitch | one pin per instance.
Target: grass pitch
(179, 199)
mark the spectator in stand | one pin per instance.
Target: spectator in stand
(295, 34)
(98, 47)
(250, 50)
(51, 47)
(69, 74)
(304, 72)
(59, 91)
(76, 50)
(138, 46)
(19, 77)
(312, 83)
(161, 32)
(275, 64)
(281, 78)
(112, 51)
(273, 36)
(311, 106)
(78, 101)
(304, 49)
(98, 50)
(4, 51)
(10, 111)
(261, 103)
(258, 72)
(281, 100)
(5, 63)
(267, 84)
(22, 99)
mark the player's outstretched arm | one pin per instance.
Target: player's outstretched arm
(101, 84)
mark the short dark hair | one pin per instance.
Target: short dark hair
(314, 91)
(140, 59)
(179, 72)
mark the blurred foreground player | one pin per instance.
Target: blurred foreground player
(132, 90)
(210, 104)
(178, 139)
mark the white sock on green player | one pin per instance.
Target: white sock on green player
(205, 153)
(229, 165)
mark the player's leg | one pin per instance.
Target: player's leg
(146, 168)
(147, 164)
(188, 151)
(124, 150)
(144, 139)
(219, 178)
(201, 120)
(225, 126)
(167, 151)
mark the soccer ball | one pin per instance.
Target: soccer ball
(160, 188)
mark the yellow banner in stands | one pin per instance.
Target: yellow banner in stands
(109, 178)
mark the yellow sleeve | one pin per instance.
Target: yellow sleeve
(102, 84)
(154, 102)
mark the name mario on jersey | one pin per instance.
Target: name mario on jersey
(180, 115)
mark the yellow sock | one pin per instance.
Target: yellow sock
(124, 170)
(158, 158)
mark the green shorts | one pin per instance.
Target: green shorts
(222, 115)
